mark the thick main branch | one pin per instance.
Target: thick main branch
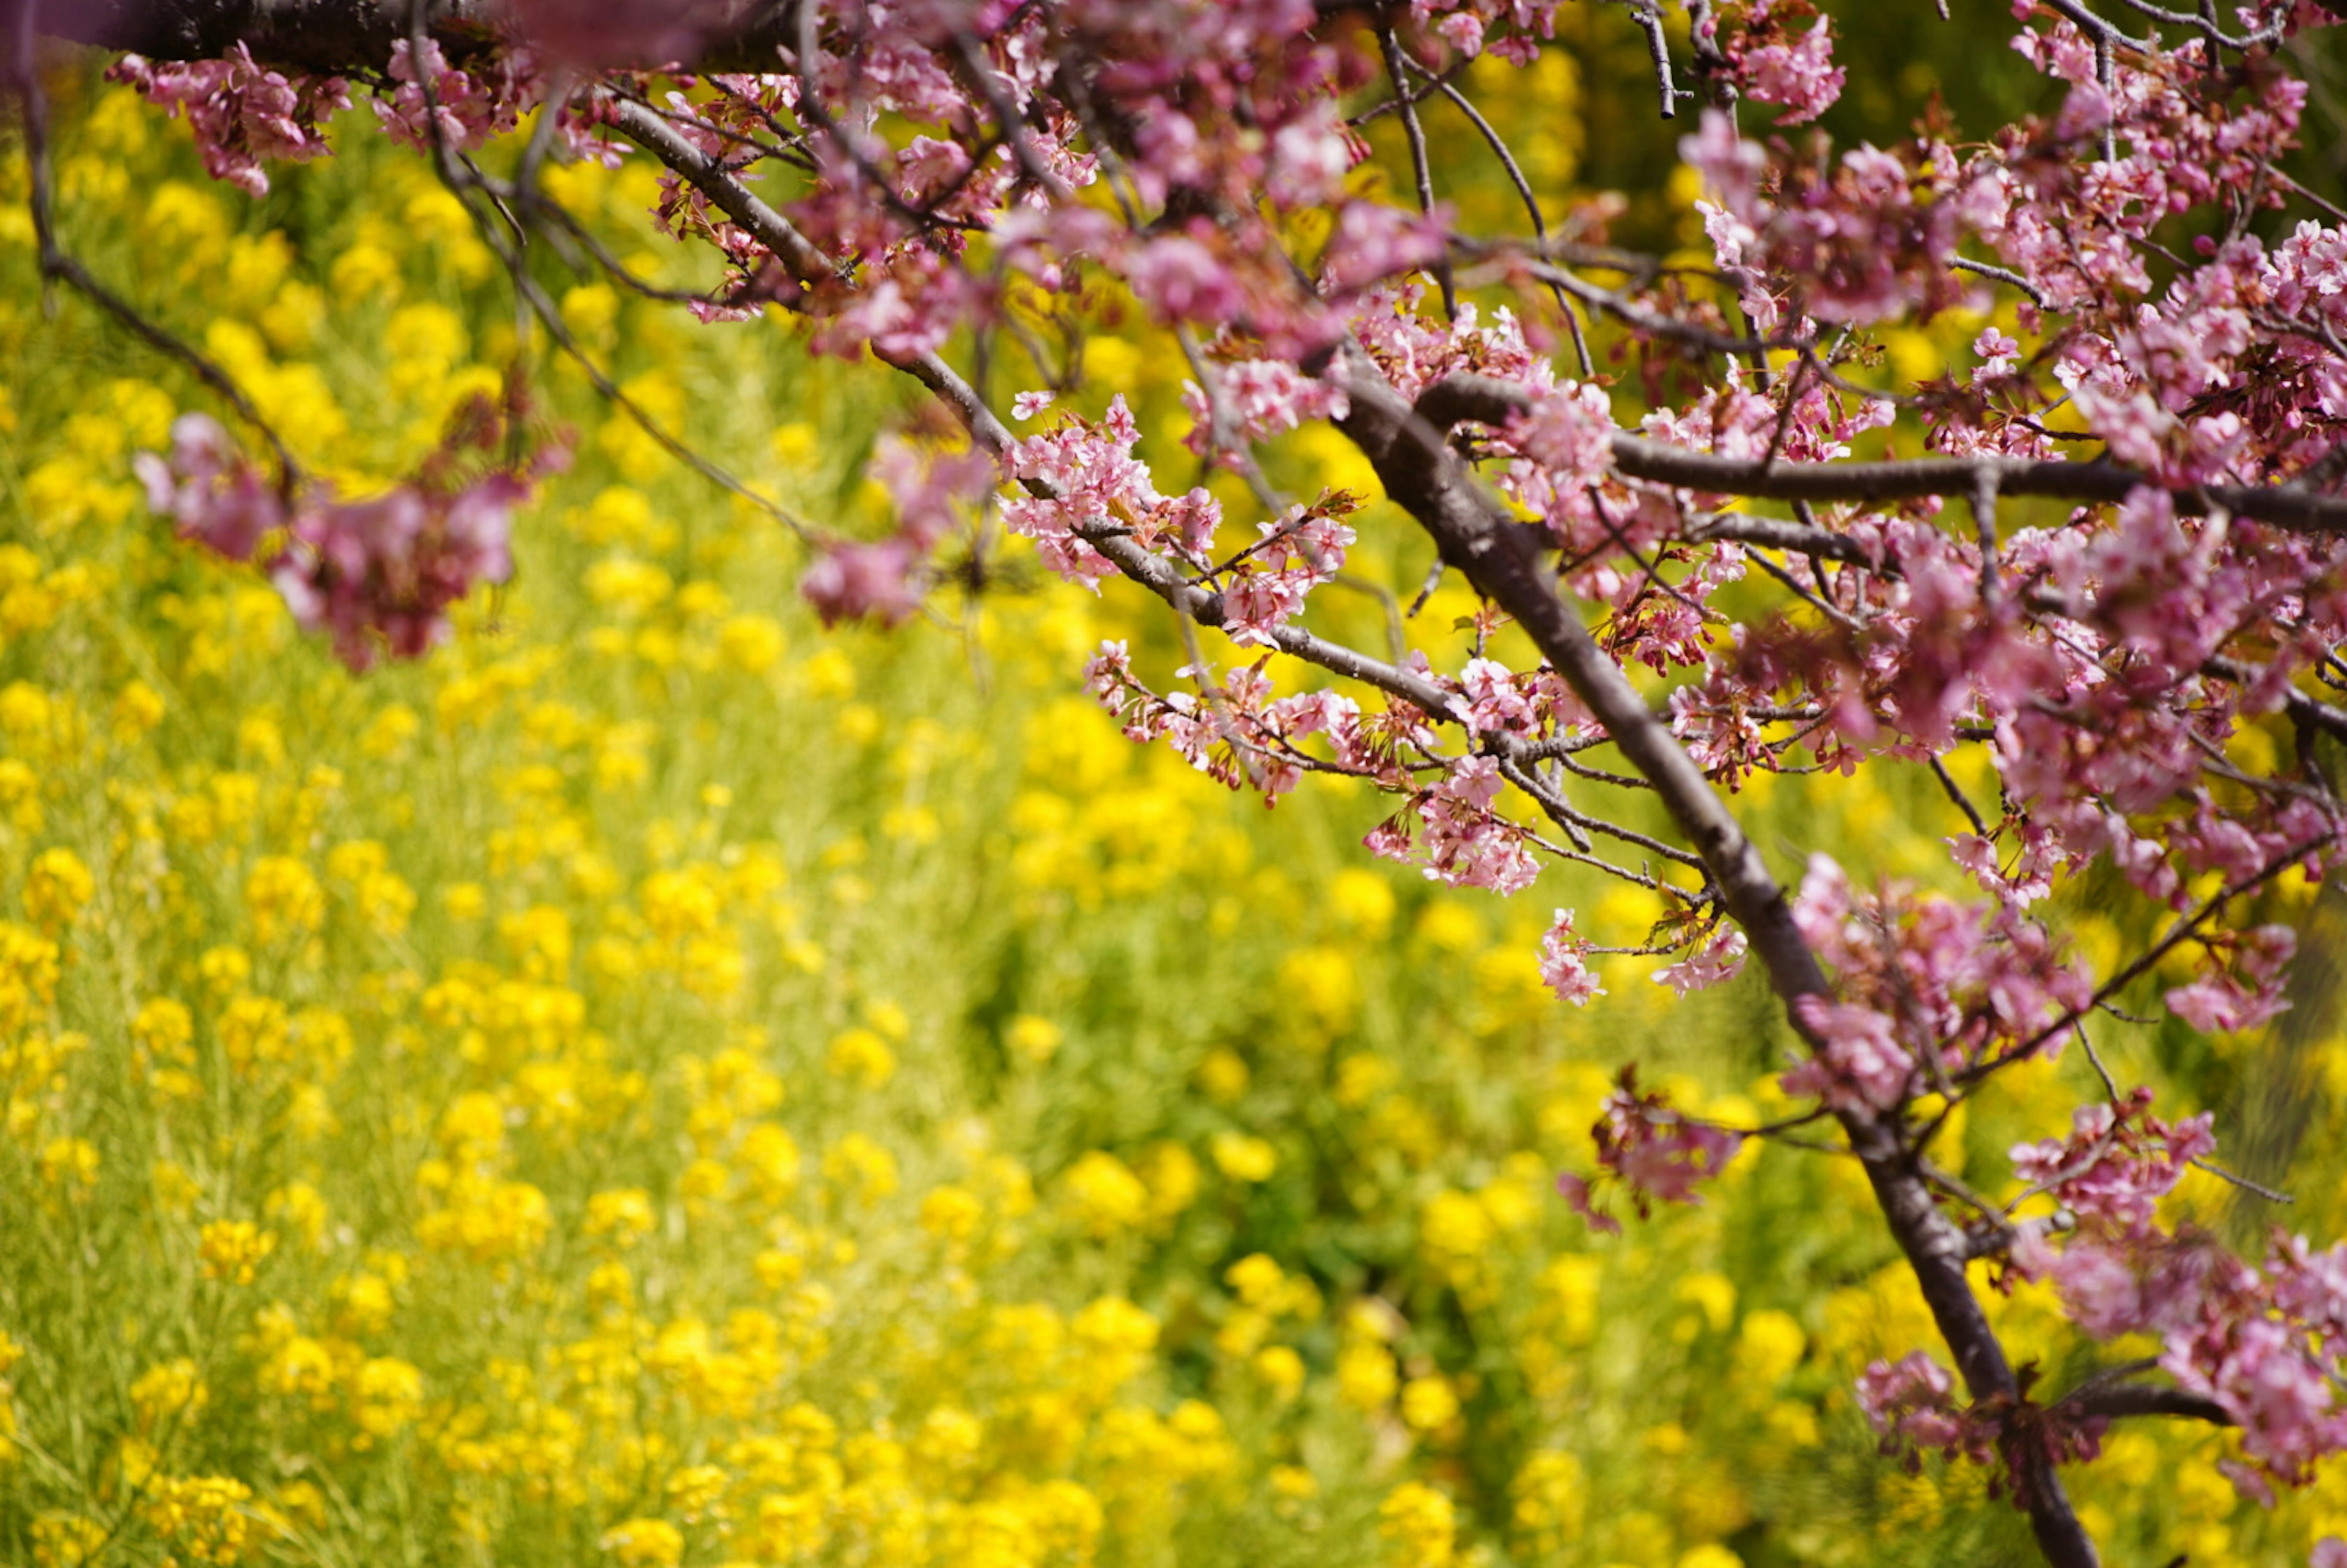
(350, 38)
(1408, 446)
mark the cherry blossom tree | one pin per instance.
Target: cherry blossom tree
(2111, 546)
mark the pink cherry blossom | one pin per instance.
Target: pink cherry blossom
(1772, 59)
(1715, 960)
(1652, 1150)
(377, 576)
(1564, 967)
(243, 115)
(2117, 1162)
(1912, 1399)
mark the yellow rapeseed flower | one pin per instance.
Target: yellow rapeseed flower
(1032, 1040)
(386, 1395)
(68, 1540)
(1243, 1157)
(1549, 1489)
(952, 1213)
(138, 708)
(1104, 1194)
(283, 899)
(70, 1163)
(1223, 1075)
(1365, 1375)
(1257, 1278)
(644, 1543)
(622, 1216)
(1361, 900)
(163, 1028)
(1420, 1524)
(232, 1250)
(1768, 1344)
(58, 888)
(203, 1517)
(752, 644)
(861, 1054)
(168, 1393)
(1430, 1403)
(1282, 1370)
(860, 1169)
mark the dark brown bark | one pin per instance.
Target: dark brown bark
(331, 38)
(2145, 1399)
(349, 37)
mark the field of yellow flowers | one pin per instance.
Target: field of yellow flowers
(658, 1085)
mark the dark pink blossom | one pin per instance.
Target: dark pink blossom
(209, 493)
(1652, 1150)
(243, 115)
(2117, 1162)
(1912, 1399)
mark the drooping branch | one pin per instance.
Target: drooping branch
(59, 265)
(1408, 448)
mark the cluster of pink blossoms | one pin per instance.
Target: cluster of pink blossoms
(1772, 58)
(2267, 1346)
(469, 105)
(375, 576)
(1565, 963)
(1912, 1403)
(1460, 838)
(1923, 985)
(1083, 475)
(242, 114)
(1868, 240)
(1238, 734)
(1467, 25)
(1652, 1150)
(1266, 588)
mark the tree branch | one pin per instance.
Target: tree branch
(338, 38)
(1489, 402)
(1408, 448)
(2145, 1399)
